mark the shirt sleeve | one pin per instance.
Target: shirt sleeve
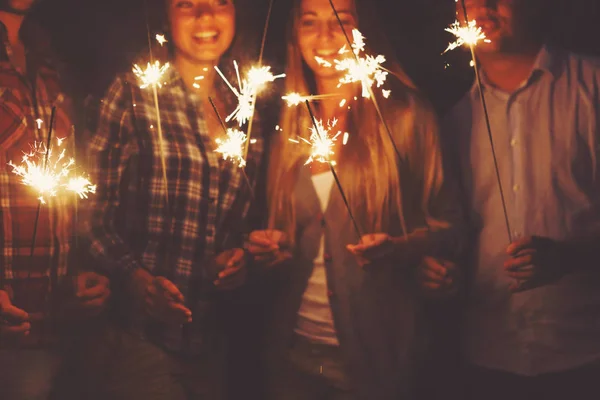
(110, 152)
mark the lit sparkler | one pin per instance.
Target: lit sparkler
(48, 177)
(232, 147)
(363, 68)
(321, 141)
(248, 88)
(322, 144)
(469, 35)
(152, 77)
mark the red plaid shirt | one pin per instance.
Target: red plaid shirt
(25, 97)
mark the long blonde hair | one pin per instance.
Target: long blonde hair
(368, 163)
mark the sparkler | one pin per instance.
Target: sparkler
(471, 35)
(322, 149)
(152, 77)
(368, 87)
(247, 90)
(365, 69)
(232, 147)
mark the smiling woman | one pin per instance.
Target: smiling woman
(173, 230)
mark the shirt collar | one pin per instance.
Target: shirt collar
(548, 60)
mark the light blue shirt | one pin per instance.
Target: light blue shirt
(547, 138)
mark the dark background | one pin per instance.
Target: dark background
(99, 38)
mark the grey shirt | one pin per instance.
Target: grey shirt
(547, 138)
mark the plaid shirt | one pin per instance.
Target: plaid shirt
(24, 98)
(133, 224)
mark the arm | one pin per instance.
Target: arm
(110, 149)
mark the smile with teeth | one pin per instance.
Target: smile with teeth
(206, 36)
(326, 53)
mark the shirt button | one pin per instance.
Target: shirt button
(516, 188)
(327, 257)
(329, 293)
(513, 142)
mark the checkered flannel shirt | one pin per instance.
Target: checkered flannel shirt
(133, 223)
(25, 98)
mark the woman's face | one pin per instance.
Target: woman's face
(319, 34)
(202, 30)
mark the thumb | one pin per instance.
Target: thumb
(170, 289)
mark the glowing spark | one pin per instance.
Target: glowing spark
(39, 122)
(293, 99)
(81, 186)
(468, 35)
(365, 69)
(345, 138)
(152, 75)
(247, 90)
(321, 142)
(161, 39)
(48, 180)
(232, 146)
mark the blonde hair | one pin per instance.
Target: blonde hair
(368, 159)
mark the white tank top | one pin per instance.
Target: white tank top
(315, 321)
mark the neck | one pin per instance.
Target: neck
(189, 71)
(330, 106)
(507, 71)
(13, 23)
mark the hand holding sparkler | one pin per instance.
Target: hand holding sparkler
(268, 247)
(14, 322)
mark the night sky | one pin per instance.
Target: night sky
(99, 38)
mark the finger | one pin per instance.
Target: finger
(434, 266)
(170, 288)
(513, 264)
(262, 241)
(180, 312)
(98, 290)
(97, 302)
(515, 247)
(432, 275)
(235, 259)
(229, 272)
(522, 275)
(22, 328)
(14, 313)
(232, 282)
(257, 250)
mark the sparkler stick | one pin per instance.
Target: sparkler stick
(368, 87)
(335, 176)
(488, 125)
(260, 57)
(39, 208)
(151, 77)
